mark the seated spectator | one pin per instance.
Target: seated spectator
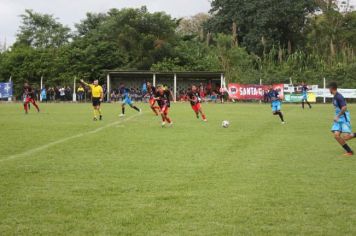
(114, 96)
(214, 97)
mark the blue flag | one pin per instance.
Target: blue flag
(5, 90)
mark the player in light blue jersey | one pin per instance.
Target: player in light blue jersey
(276, 103)
(126, 100)
(342, 121)
(305, 90)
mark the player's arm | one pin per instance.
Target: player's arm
(84, 83)
(189, 99)
(341, 113)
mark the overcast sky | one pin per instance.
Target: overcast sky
(72, 11)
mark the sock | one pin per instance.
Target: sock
(168, 120)
(163, 118)
(347, 148)
(99, 111)
(94, 112)
(281, 116)
(303, 105)
(123, 110)
(25, 107)
(134, 107)
(204, 117)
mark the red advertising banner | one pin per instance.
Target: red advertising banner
(251, 91)
(247, 91)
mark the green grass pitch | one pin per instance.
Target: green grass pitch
(63, 174)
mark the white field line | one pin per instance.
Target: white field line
(43, 147)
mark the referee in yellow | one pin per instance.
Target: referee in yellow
(97, 96)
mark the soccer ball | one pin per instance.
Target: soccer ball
(225, 124)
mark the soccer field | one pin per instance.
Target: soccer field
(63, 174)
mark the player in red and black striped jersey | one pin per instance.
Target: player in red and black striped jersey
(151, 93)
(29, 94)
(195, 102)
(162, 97)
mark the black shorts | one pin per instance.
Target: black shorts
(96, 102)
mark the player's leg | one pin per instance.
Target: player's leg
(95, 108)
(153, 107)
(166, 116)
(130, 103)
(348, 137)
(347, 131)
(310, 106)
(280, 114)
(35, 104)
(303, 103)
(25, 105)
(276, 111)
(202, 113)
(98, 108)
(95, 113)
(163, 116)
(342, 142)
(123, 108)
(196, 111)
(134, 107)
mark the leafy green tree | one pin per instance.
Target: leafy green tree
(42, 31)
(262, 24)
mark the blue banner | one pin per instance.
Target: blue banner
(5, 90)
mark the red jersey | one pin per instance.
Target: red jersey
(29, 92)
(194, 98)
(163, 99)
(151, 92)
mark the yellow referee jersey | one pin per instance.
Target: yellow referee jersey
(96, 91)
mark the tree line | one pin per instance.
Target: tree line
(272, 40)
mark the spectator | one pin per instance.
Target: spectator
(209, 88)
(214, 97)
(51, 94)
(144, 88)
(80, 93)
(265, 96)
(68, 93)
(44, 94)
(62, 93)
(58, 93)
(113, 96)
